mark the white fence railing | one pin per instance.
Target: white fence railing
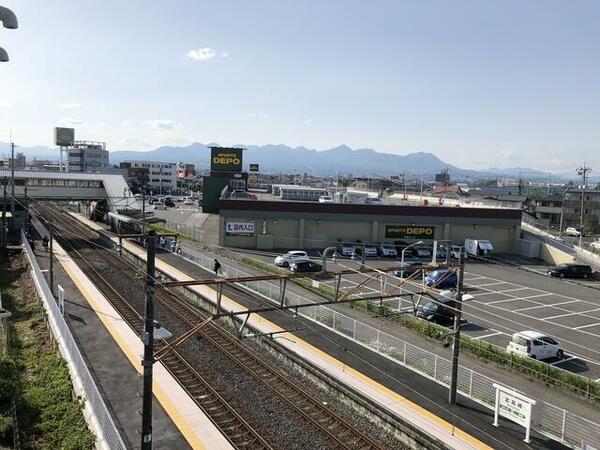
(83, 382)
(549, 420)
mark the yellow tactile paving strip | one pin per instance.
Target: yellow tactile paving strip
(410, 411)
(197, 429)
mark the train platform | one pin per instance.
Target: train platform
(417, 400)
(113, 353)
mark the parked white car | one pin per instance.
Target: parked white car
(370, 250)
(534, 345)
(188, 201)
(388, 250)
(347, 249)
(160, 206)
(289, 257)
(325, 199)
(595, 245)
(572, 231)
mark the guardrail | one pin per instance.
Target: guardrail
(549, 420)
(83, 383)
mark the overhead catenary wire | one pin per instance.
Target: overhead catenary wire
(478, 309)
(387, 375)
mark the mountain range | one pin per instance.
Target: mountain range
(282, 158)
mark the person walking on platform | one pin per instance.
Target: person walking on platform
(217, 267)
(45, 241)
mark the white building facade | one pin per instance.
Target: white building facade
(162, 176)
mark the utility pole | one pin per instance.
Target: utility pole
(143, 202)
(583, 171)
(148, 339)
(12, 180)
(50, 229)
(4, 216)
(457, 318)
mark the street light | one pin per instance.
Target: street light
(406, 248)
(8, 18)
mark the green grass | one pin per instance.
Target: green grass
(487, 352)
(49, 417)
(161, 229)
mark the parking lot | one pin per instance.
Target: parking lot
(505, 300)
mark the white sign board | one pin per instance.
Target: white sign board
(514, 406)
(239, 228)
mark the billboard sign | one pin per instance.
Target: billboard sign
(253, 167)
(239, 228)
(64, 137)
(223, 159)
(409, 232)
(397, 179)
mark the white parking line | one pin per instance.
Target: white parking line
(517, 289)
(585, 326)
(488, 284)
(543, 305)
(502, 301)
(563, 360)
(571, 314)
(488, 335)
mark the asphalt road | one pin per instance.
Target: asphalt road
(508, 299)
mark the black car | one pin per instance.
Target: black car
(441, 311)
(571, 271)
(305, 266)
(407, 268)
(169, 202)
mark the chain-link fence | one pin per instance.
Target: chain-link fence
(549, 420)
(83, 382)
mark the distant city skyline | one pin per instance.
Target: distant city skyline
(480, 85)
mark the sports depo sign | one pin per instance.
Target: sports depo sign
(226, 159)
(409, 231)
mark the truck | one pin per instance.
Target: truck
(478, 247)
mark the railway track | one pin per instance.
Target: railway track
(238, 431)
(233, 426)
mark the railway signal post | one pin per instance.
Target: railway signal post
(148, 339)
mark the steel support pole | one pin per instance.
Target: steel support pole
(50, 229)
(456, 340)
(148, 339)
(4, 216)
(12, 181)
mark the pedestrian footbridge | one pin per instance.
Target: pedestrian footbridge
(108, 190)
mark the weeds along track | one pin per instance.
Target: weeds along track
(83, 245)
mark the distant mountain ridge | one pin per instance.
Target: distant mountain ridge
(275, 158)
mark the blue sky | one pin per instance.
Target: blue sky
(478, 83)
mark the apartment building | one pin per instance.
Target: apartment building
(162, 176)
(591, 208)
(87, 156)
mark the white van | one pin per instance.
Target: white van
(478, 247)
(534, 345)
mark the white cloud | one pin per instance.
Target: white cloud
(126, 123)
(5, 104)
(308, 121)
(132, 141)
(68, 105)
(259, 115)
(71, 122)
(225, 55)
(164, 124)
(201, 54)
